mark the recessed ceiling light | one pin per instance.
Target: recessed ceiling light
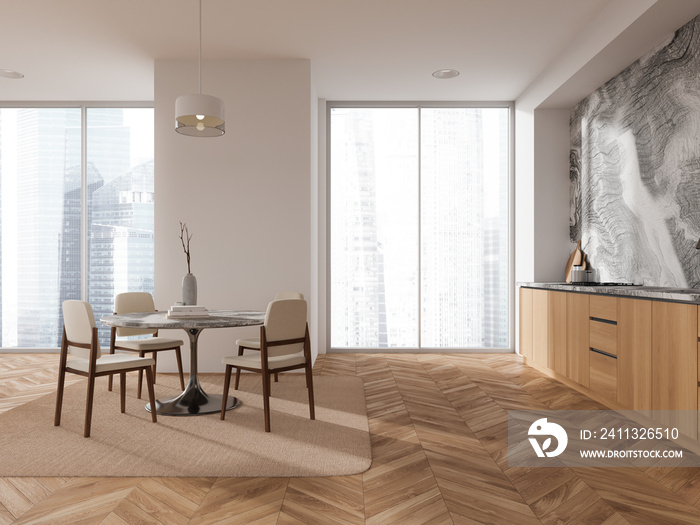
(8, 73)
(445, 73)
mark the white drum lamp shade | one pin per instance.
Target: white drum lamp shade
(199, 115)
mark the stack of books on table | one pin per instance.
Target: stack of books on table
(178, 311)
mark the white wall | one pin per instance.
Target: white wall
(246, 196)
(551, 200)
(541, 194)
(524, 194)
(319, 277)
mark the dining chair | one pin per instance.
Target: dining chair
(254, 343)
(81, 341)
(284, 345)
(130, 302)
(289, 295)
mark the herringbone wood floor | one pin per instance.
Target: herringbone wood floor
(439, 440)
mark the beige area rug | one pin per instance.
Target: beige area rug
(336, 443)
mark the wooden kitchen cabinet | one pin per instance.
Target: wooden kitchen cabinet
(543, 328)
(604, 307)
(556, 325)
(554, 332)
(602, 326)
(540, 327)
(603, 336)
(603, 375)
(674, 356)
(526, 323)
(577, 338)
(640, 354)
(674, 364)
(634, 354)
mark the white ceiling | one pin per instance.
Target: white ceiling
(359, 49)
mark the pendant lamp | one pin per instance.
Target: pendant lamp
(199, 115)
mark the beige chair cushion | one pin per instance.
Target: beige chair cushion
(134, 302)
(285, 319)
(289, 295)
(149, 343)
(109, 362)
(79, 320)
(129, 302)
(253, 361)
(249, 343)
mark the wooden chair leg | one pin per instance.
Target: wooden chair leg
(88, 404)
(122, 391)
(179, 367)
(276, 378)
(112, 341)
(238, 370)
(266, 399)
(138, 389)
(155, 364)
(227, 384)
(61, 378)
(310, 388)
(59, 395)
(151, 394)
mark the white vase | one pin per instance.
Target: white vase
(189, 289)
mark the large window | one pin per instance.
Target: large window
(76, 214)
(419, 236)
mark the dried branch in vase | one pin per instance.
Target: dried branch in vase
(185, 237)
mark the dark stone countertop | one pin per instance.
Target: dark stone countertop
(661, 293)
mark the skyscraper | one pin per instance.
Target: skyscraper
(48, 149)
(361, 306)
(121, 239)
(496, 256)
(419, 235)
(43, 200)
(69, 267)
(452, 227)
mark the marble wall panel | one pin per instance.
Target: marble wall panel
(635, 168)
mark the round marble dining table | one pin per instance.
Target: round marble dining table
(193, 400)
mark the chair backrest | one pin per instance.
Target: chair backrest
(289, 295)
(79, 320)
(126, 303)
(285, 319)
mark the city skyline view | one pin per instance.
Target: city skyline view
(419, 222)
(419, 227)
(44, 190)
